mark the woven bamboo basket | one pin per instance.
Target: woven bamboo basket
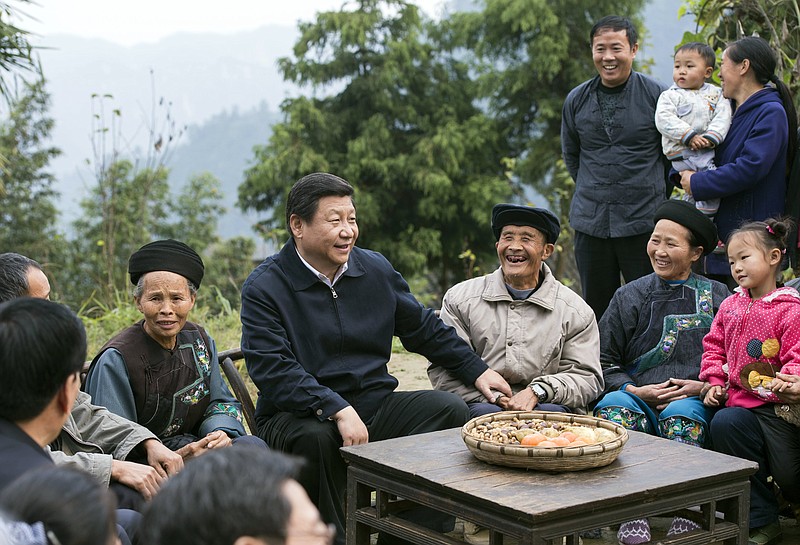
(554, 459)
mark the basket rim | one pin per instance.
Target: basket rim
(609, 447)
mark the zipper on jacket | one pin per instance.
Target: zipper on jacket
(333, 292)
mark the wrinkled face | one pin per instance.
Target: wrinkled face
(689, 70)
(521, 250)
(613, 56)
(165, 302)
(327, 240)
(751, 267)
(38, 286)
(671, 254)
(305, 525)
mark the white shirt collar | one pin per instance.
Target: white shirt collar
(324, 279)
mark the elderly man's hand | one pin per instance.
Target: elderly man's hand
(492, 380)
(162, 459)
(524, 400)
(788, 389)
(351, 427)
(144, 479)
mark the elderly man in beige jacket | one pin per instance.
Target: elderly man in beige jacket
(526, 325)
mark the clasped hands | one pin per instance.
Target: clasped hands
(662, 394)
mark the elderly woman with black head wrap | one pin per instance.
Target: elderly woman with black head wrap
(651, 342)
(162, 372)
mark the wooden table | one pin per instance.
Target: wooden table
(651, 476)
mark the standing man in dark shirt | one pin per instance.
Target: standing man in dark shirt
(612, 150)
(317, 325)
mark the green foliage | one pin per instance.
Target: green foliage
(226, 270)
(120, 214)
(27, 209)
(527, 55)
(16, 52)
(196, 210)
(720, 22)
(404, 127)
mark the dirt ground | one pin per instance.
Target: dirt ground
(409, 369)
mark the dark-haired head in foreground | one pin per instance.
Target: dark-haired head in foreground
(240, 495)
(74, 508)
(42, 350)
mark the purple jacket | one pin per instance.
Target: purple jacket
(751, 169)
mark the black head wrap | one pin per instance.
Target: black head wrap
(516, 214)
(684, 213)
(166, 255)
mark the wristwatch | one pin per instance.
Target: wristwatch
(538, 391)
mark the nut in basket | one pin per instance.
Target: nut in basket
(546, 441)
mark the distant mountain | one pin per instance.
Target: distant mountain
(202, 75)
(223, 145)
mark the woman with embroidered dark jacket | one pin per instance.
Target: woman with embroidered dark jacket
(651, 342)
(651, 335)
(162, 372)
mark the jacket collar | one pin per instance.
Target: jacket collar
(545, 296)
(300, 277)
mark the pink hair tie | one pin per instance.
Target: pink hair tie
(770, 231)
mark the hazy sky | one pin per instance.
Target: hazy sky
(128, 22)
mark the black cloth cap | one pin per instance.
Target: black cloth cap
(516, 214)
(684, 213)
(166, 255)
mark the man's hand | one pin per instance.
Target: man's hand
(492, 380)
(524, 400)
(160, 458)
(788, 389)
(686, 181)
(144, 479)
(351, 428)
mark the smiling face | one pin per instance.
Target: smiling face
(521, 250)
(732, 76)
(689, 70)
(751, 267)
(327, 240)
(671, 254)
(165, 302)
(613, 56)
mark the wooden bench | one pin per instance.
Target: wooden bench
(226, 360)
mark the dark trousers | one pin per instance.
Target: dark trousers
(601, 261)
(324, 474)
(761, 436)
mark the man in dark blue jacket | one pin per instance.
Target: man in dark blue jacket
(317, 325)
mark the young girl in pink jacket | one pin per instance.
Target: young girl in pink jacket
(751, 363)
